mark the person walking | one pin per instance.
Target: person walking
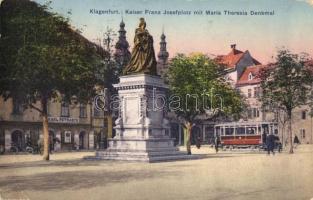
(270, 144)
(216, 142)
(198, 142)
(296, 141)
(40, 146)
(264, 136)
(278, 144)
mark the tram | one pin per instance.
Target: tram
(244, 134)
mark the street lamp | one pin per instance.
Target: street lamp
(107, 41)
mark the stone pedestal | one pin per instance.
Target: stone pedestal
(142, 131)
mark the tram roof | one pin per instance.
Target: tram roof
(244, 123)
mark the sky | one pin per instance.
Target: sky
(291, 26)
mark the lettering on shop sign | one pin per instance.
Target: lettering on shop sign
(68, 120)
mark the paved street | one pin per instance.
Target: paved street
(227, 175)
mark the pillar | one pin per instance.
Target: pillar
(57, 146)
(76, 139)
(110, 125)
(91, 140)
(7, 140)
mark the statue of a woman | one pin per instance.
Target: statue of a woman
(142, 56)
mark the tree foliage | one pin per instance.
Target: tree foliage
(43, 58)
(198, 76)
(287, 84)
(198, 82)
(42, 55)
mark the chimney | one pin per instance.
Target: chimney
(233, 46)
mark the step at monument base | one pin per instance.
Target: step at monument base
(146, 150)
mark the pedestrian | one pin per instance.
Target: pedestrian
(39, 145)
(198, 142)
(296, 141)
(270, 144)
(51, 145)
(278, 144)
(216, 142)
(264, 137)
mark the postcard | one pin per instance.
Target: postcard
(156, 99)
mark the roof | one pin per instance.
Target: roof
(254, 70)
(232, 58)
(309, 63)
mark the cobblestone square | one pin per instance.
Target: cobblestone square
(226, 175)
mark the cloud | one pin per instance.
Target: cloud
(307, 1)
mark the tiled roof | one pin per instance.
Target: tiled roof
(254, 70)
(232, 58)
(309, 63)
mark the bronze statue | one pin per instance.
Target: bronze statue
(142, 56)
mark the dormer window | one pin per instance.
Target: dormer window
(250, 77)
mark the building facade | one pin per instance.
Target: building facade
(241, 71)
(70, 126)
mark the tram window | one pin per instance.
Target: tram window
(250, 130)
(229, 131)
(240, 131)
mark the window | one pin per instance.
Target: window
(17, 107)
(65, 110)
(49, 109)
(302, 133)
(249, 93)
(250, 77)
(67, 137)
(240, 131)
(253, 113)
(229, 131)
(257, 92)
(257, 113)
(251, 130)
(303, 115)
(82, 111)
(249, 113)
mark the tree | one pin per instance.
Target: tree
(198, 91)
(286, 85)
(43, 58)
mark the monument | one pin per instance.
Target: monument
(142, 130)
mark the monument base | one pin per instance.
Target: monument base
(142, 130)
(146, 150)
